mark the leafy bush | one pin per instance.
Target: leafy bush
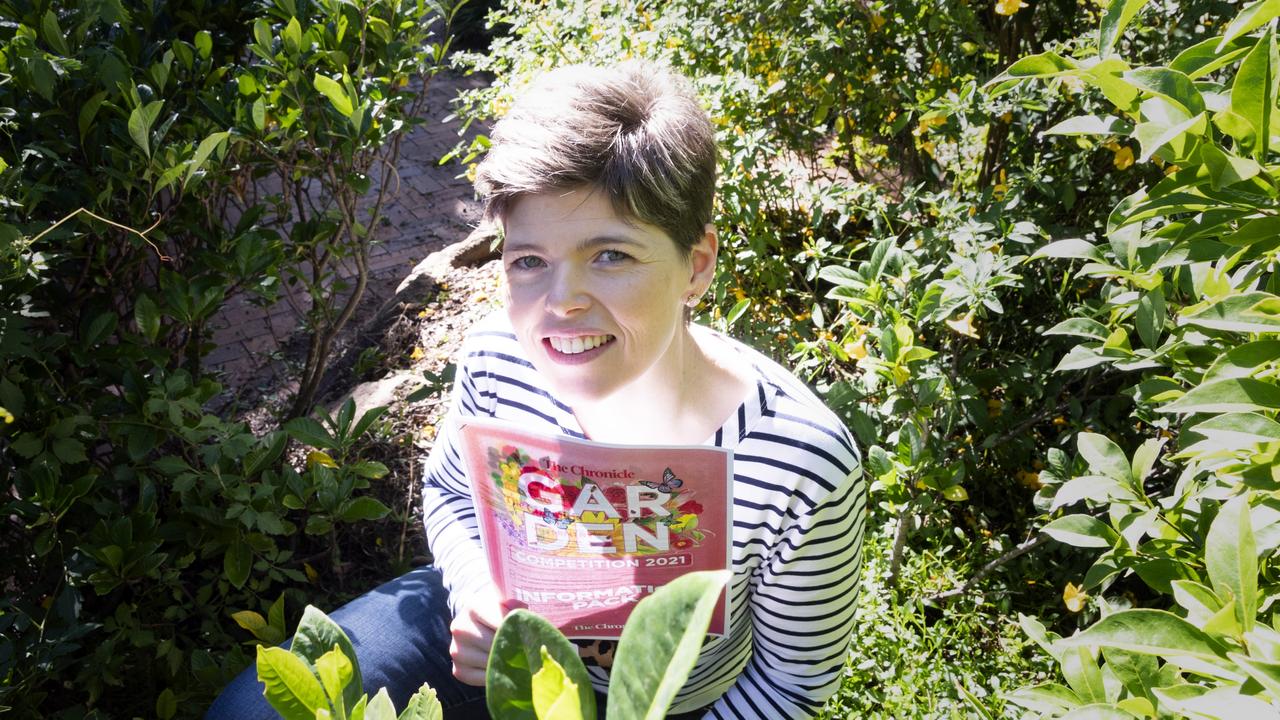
(136, 517)
(534, 672)
(1187, 312)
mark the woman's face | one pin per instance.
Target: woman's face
(597, 302)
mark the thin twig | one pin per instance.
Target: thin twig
(990, 567)
(142, 234)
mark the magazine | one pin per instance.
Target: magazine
(579, 531)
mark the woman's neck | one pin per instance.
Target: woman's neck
(679, 402)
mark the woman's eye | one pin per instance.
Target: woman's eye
(527, 262)
(613, 256)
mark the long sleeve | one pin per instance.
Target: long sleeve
(448, 512)
(802, 608)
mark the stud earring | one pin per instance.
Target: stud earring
(691, 300)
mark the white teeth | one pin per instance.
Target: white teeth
(573, 346)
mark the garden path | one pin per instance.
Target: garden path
(433, 208)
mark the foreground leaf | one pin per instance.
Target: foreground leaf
(660, 645)
(1151, 632)
(516, 657)
(291, 688)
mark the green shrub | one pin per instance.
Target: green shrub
(138, 517)
(1186, 317)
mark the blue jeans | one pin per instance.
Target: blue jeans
(400, 632)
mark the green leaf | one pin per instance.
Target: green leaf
(1039, 66)
(1080, 327)
(1098, 488)
(1225, 396)
(1243, 360)
(1082, 357)
(237, 562)
(258, 113)
(1171, 85)
(1234, 431)
(204, 44)
(1091, 125)
(251, 621)
(1253, 231)
(317, 635)
(1084, 676)
(69, 450)
(1267, 674)
(1226, 169)
(1249, 19)
(363, 508)
(140, 122)
(1152, 136)
(1253, 93)
(292, 35)
(1069, 248)
(1104, 457)
(1046, 698)
(52, 33)
(333, 90)
(660, 645)
(423, 706)
(1150, 632)
(1231, 557)
(1204, 57)
(310, 432)
(89, 111)
(1081, 531)
(334, 669)
(291, 688)
(1117, 17)
(1225, 701)
(739, 309)
(147, 315)
(555, 696)
(206, 148)
(516, 656)
(1137, 672)
(1246, 312)
(1150, 318)
(166, 704)
(380, 707)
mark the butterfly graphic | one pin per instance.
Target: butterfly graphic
(669, 482)
(550, 518)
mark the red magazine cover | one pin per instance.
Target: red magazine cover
(579, 531)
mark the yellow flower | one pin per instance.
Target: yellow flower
(857, 350)
(1074, 597)
(928, 147)
(995, 408)
(6, 416)
(964, 325)
(877, 21)
(1124, 158)
(312, 575)
(1009, 7)
(417, 353)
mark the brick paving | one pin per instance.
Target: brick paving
(431, 209)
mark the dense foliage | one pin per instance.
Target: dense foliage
(886, 215)
(1026, 248)
(140, 145)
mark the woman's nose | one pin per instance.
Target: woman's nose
(568, 293)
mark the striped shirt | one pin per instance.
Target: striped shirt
(799, 506)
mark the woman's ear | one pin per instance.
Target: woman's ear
(702, 259)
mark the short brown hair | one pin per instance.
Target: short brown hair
(634, 130)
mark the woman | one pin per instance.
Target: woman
(602, 180)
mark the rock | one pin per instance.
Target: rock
(477, 249)
(378, 392)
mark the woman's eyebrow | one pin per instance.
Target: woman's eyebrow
(588, 244)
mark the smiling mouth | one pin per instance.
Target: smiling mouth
(578, 345)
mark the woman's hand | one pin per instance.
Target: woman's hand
(473, 630)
